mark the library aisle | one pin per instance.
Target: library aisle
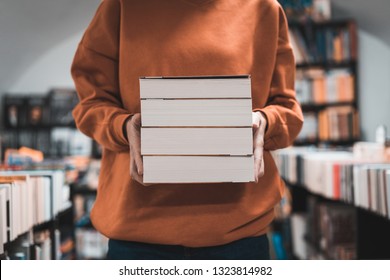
(336, 200)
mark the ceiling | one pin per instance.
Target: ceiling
(28, 29)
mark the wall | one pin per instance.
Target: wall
(51, 70)
(374, 85)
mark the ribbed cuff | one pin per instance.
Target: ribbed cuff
(118, 126)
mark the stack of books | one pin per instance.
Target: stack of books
(197, 129)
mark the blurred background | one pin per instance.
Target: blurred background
(337, 201)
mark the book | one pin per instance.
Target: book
(5, 214)
(15, 111)
(37, 110)
(198, 169)
(61, 102)
(195, 87)
(195, 113)
(298, 226)
(197, 129)
(196, 141)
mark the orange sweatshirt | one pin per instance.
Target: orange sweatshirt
(128, 39)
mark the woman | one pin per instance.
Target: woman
(129, 39)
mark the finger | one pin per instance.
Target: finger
(136, 153)
(135, 146)
(258, 142)
(261, 168)
(255, 121)
(139, 178)
(132, 163)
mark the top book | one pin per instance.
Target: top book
(193, 87)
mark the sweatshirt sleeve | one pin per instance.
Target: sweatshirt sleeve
(100, 113)
(283, 113)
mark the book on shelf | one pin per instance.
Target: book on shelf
(318, 10)
(197, 129)
(34, 197)
(298, 232)
(42, 245)
(61, 102)
(317, 86)
(327, 44)
(338, 175)
(337, 224)
(38, 113)
(338, 123)
(18, 215)
(4, 213)
(14, 111)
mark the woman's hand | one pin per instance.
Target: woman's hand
(259, 124)
(133, 129)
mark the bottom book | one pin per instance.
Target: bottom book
(198, 169)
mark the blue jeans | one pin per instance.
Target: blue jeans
(252, 248)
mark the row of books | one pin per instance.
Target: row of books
(315, 9)
(326, 231)
(338, 123)
(51, 109)
(317, 86)
(331, 124)
(326, 44)
(339, 175)
(203, 126)
(29, 198)
(56, 142)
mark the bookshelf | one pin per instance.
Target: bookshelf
(339, 208)
(326, 80)
(36, 214)
(43, 122)
(90, 244)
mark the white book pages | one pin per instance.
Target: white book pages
(40, 200)
(195, 87)
(3, 220)
(5, 210)
(298, 232)
(364, 196)
(48, 210)
(372, 189)
(196, 141)
(357, 186)
(16, 213)
(198, 169)
(203, 112)
(381, 192)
